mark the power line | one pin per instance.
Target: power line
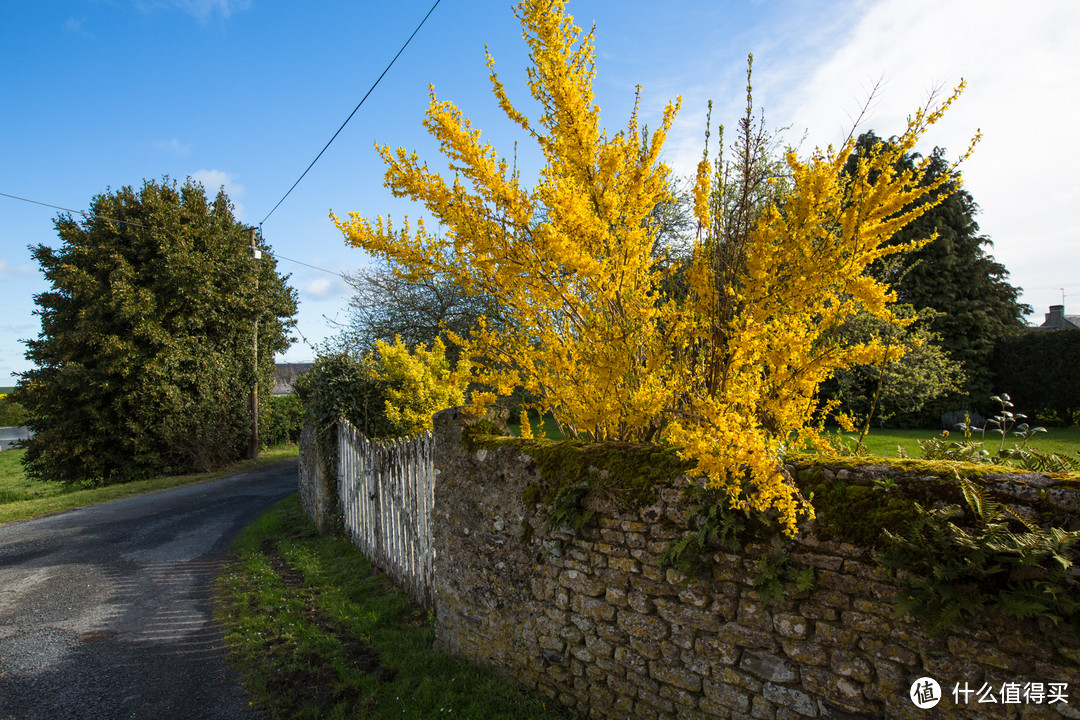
(313, 267)
(89, 215)
(85, 214)
(374, 85)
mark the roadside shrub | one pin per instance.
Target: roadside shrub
(391, 392)
(12, 414)
(284, 421)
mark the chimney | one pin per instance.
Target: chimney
(1057, 312)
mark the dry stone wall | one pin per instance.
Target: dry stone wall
(595, 620)
(317, 496)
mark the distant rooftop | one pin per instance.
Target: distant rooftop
(285, 375)
(1056, 319)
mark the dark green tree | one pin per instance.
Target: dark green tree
(955, 276)
(144, 362)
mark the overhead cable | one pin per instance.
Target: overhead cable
(90, 215)
(374, 85)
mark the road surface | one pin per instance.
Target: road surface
(106, 612)
(11, 435)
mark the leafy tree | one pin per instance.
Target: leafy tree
(729, 370)
(144, 360)
(953, 274)
(386, 306)
(913, 371)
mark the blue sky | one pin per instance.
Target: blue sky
(244, 93)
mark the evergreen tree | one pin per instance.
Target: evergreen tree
(144, 363)
(954, 275)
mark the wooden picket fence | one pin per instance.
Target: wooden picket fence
(387, 491)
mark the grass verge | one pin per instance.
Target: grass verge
(22, 498)
(316, 632)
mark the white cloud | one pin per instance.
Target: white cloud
(213, 180)
(174, 146)
(19, 270)
(203, 10)
(75, 26)
(326, 289)
(1021, 65)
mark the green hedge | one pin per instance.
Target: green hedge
(1040, 370)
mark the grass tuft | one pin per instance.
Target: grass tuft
(317, 632)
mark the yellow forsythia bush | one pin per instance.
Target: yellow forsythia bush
(420, 383)
(728, 373)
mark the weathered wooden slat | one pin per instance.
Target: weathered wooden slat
(387, 491)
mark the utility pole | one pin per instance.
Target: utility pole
(253, 444)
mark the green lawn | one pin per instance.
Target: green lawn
(883, 443)
(316, 632)
(21, 497)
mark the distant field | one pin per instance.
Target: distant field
(5, 390)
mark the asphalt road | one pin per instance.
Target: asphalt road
(106, 612)
(10, 435)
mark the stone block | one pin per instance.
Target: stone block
(762, 709)
(676, 676)
(677, 613)
(581, 653)
(595, 609)
(615, 596)
(851, 665)
(981, 653)
(790, 698)
(679, 697)
(599, 647)
(651, 587)
(716, 650)
(579, 582)
(805, 653)
(737, 678)
(614, 537)
(752, 614)
(879, 648)
(831, 598)
(841, 691)
(729, 697)
(791, 625)
(624, 564)
(646, 648)
(543, 589)
(630, 660)
(737, 634)
(639, 602)
(835, 635)
(694, 597)
(772, 668)
(611, 633)
(823, 562)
